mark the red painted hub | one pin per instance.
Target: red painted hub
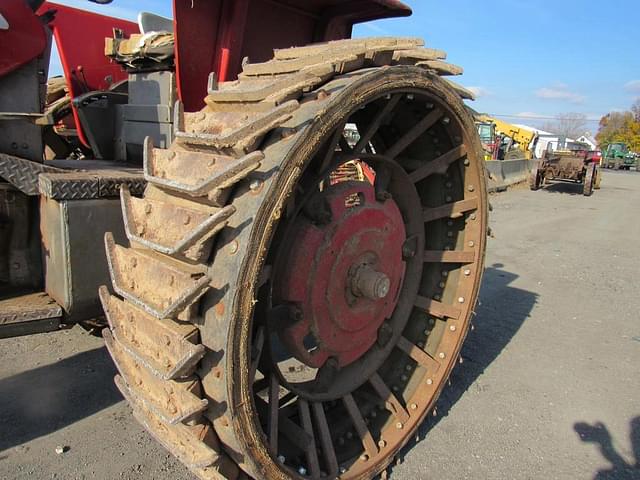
(344, 276)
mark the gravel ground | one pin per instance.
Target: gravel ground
(550, 385)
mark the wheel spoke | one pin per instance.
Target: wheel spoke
(437, 309)
(412, 135)
(325, 439)
(391, 402)
(375, 124)
(419, 355)
(448, 256)
(450, 210)
(360, 425)
(331, 149)
(274, 392)
(312, 454)
(439, 165)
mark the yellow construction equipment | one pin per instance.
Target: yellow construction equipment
(505, 141)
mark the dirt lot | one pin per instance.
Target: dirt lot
(550, 386)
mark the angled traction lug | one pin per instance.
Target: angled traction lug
(275, 92)
(342, 62)
(339, 46)
(239, 131)
(441, 68)
(194, 173)
(460, 90)
(412, 56)
(168, 228)
(160, 288)
(165, 347)
(196, 446)
(171, 401)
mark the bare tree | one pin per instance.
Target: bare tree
(635, 109)
(572, 125)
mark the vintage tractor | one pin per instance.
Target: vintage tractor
(283, 300)
(566, 165)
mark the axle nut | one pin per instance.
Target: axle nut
(371, 284)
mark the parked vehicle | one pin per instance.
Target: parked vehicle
(618, 157)
(577, 166)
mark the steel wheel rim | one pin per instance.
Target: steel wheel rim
(451, 342)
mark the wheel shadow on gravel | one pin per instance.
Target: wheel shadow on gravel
(599, 435)
(501, 311)
(564, 188)
(48, 398)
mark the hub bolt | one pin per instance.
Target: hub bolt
(366, 282)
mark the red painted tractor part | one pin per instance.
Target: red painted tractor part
(343, 273)
(80, 37)
(24, 38)
(216, 35)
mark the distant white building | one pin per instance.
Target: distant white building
(589, 140)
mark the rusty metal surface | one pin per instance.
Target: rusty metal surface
(73, 267)
(195, 173)
(27, 307)
(167, 348)
(326, 274)
(436, 185)
(171, 229)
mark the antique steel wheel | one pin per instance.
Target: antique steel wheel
(357, 292)
(309, 299)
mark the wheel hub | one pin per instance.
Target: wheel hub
(343, 274)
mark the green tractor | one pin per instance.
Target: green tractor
(618, 157)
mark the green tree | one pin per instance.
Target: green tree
(621, 127)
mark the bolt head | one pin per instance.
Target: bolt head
(399, 425)
(255, 185)
(441, 355)
(429, 381)
(382, 443)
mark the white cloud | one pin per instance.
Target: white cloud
(480, 91)
(559, 91)
(633, 86)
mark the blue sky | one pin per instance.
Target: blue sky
(527, 58)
